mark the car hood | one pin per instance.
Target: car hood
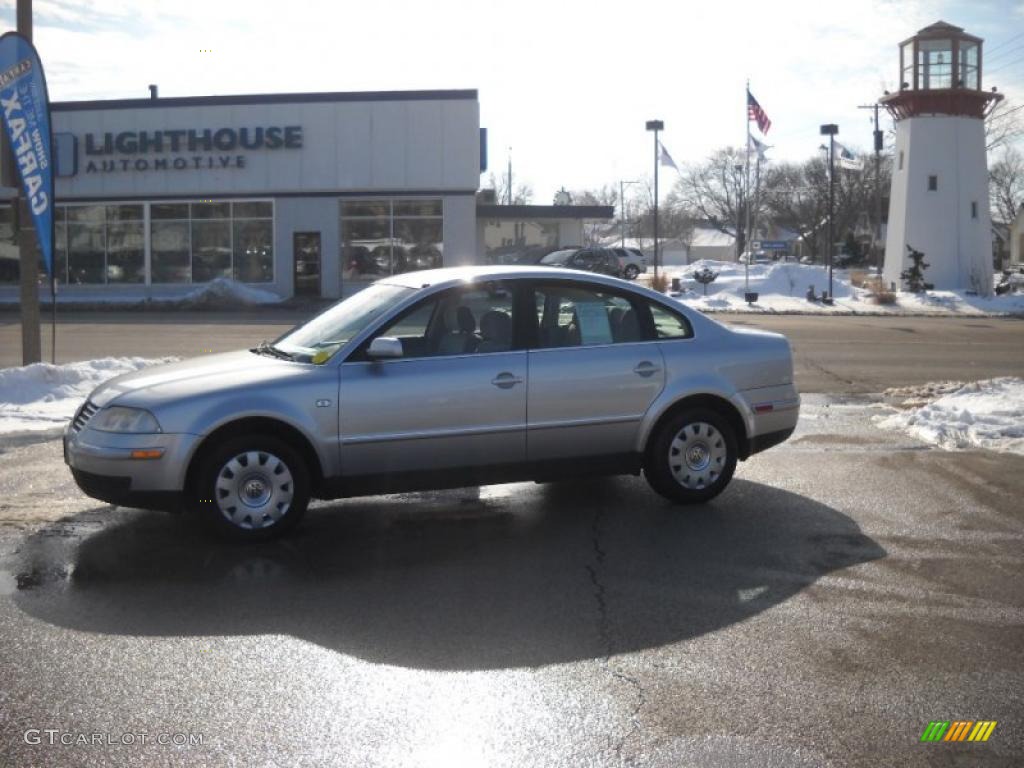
(150, 387)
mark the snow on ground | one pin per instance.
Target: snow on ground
(782, 287)
(42, 397)
(984, 414)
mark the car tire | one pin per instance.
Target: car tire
(631, 272)
(691, 456)
(252, 488)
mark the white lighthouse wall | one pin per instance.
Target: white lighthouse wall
(955, 236)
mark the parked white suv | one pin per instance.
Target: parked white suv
(631, 261)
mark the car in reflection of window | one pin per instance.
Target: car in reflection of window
(603, 261)
(435, 379)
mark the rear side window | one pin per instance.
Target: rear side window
(669, 325)
(574, 316)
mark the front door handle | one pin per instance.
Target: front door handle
(506, 380)
(646, 368)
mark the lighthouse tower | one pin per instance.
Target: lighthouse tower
(939, 198)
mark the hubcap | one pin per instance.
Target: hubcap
(254, 490)
(697, 456)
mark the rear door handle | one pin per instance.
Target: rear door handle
(506, 380)
(646, 368)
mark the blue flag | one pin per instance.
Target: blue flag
(25, 106)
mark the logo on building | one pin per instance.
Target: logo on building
(958, 730)
(178, 149)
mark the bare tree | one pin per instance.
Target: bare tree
(796, 196)
(522, 193)
(1004, 125)
(1006, 185)
(675, 220)
(715, 192)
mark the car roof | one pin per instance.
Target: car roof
(454, 275)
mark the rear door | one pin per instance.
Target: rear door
(594, 371)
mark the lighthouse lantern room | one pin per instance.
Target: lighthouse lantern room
(939, 199)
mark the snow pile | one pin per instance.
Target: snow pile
(42, 397)
(226, 292)
(782, 287)
(985, 414)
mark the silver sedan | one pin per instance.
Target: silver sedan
(437, 379)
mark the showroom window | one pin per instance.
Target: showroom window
(199, 242)
(519, 241)
(104, 243)
(10, 268)
(386, 237)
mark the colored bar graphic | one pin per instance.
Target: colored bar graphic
(958, 730)
(935, 730)
(982, 730)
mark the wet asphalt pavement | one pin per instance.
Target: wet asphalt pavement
(849, 587)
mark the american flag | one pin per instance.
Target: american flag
(754, 112)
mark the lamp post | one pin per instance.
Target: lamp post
(830, 130)
(622, 208)
(655, 125)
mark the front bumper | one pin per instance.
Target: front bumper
(103, 466)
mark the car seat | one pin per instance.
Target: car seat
(461, 336)
(496, 330)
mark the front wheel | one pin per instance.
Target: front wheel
(631, 271)
(252, 487)
(692, 456)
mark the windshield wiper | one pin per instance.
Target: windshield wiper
(266, 348)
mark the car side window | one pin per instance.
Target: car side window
(462, 321)
(573, 316)
(668, 324)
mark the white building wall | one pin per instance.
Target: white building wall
(957, 245)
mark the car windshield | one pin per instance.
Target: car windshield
(317, 340)
(558, 257)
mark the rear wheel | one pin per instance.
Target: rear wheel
(252, 487)
(692, 456)
(631, 272)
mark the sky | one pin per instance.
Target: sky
(565, 87)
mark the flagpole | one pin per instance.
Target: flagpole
(53, 319)
(746, 197)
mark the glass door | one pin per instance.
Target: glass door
(306, 252)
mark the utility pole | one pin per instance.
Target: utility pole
(508, 196)
(622, 209)
(23, 229)
(879, 249)
(655, 125)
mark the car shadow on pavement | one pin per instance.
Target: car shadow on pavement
(495, 577)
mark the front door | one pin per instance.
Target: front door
(306, 250)
(455, 399)
(593, 375)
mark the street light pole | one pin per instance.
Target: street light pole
(830, 130)
(622, 209)
(879, 142)
(655, 125)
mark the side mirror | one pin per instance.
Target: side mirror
(385, 347)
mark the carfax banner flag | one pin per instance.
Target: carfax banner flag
(26, 115)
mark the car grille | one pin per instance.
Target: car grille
(86, 412)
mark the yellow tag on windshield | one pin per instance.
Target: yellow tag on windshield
(321, 357)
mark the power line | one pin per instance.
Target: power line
(1005, 43)
(1004, 54)
(1001, 67)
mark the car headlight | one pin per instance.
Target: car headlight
(118, 418)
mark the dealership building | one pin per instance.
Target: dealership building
(299, 194)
